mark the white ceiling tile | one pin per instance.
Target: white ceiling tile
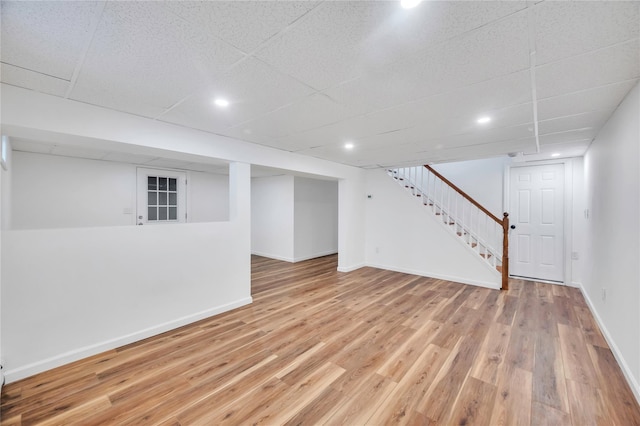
(495, 50)
(593, 120)
(568, 136)
(143, 59)
(605, 66)
(565, 150)
(405, 32)
(252, 88)
(323, 49)
(22, 77)
(46, 37)
(310, 112)
(243, 24)
(600, 98)
(568, 28)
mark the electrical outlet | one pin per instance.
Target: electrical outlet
(377, 250)
(575, 255)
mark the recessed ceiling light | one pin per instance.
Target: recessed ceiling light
(555, 154)
(483, 120)
(348, 145)
(409, 4)
(222, 103)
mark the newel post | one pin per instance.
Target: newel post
(505, 252)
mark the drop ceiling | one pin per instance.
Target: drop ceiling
(404, 86)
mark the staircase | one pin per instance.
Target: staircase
(468, 220)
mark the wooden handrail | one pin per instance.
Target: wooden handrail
(464, 194)
(503, 222)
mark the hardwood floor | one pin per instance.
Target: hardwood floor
(366, 347)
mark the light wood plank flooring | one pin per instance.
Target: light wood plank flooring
(367, 347)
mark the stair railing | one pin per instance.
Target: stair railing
(483, 231)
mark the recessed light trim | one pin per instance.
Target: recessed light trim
(348, 146)
(555, 154)
(221, 102)
(409, 4)
(483, 120)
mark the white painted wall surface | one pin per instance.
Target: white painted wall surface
(612, 182)
(207, 197)
(62, 192)
(74, 292)
(7, 179)
(52, 191)
(402, 235)
(315, 218)
(483, 180)
(578, 223)
(272, 217)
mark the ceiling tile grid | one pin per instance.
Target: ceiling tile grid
(143, 59)
(243, 24)
(307, 76)
(46, 37)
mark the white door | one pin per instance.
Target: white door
(536, 241)
(161, 196)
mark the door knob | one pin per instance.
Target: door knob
(513, 227)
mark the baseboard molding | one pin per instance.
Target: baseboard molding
(478, 283)
(12, 375)
(315, 255)
(633, 383)
(294, 259)
(351, 268)
(273, 256)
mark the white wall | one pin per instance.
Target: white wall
(207, 197)
(272, 217)
(73, 292)
(52, 191)
(315, 218)
(294, 218)
(62, 192)
(402, 235)
(612, 182)
(483, 180)
(6, 185)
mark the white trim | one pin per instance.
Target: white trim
(633, 384)
(87, 351)
(477, 283)
(351, 268)
(272, 256)
(294, 259)
(315, 255)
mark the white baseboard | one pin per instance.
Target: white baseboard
(294, 259)
(351, 268)
(12, 375)
(633, 383)
(273, 256)
(479, 283)
(315, 255)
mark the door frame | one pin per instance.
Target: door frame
(567, 279)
